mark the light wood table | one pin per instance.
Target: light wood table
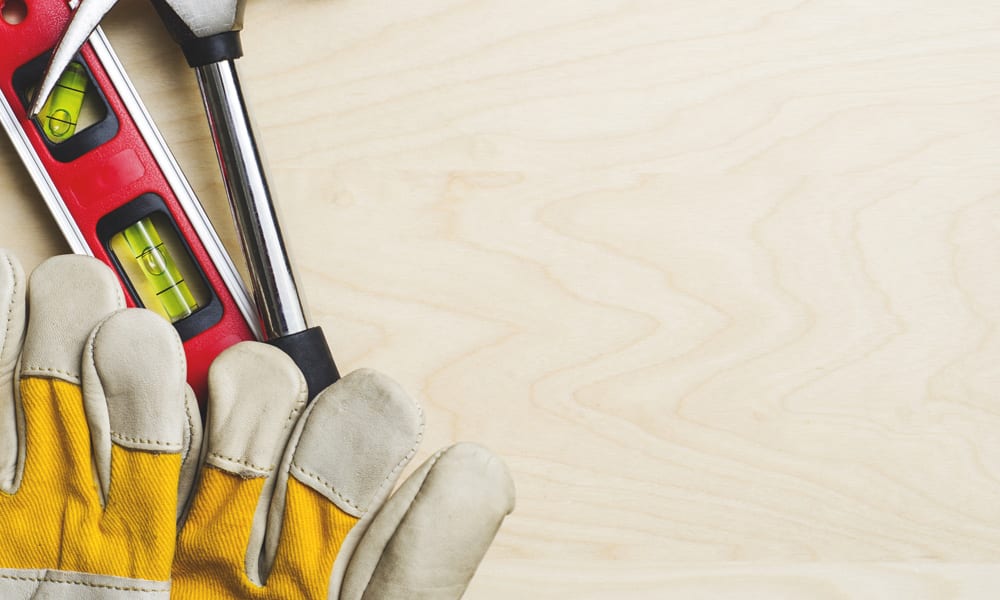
(720, 279)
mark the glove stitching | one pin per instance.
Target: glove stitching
(168, 445)
(328, 486)
(10, 307)
(35, 370)
(303, 400)
(294, 414)
(92, 585)
(190, 427)
(244, 462)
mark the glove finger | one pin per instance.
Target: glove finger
(133, 372)
(134, 393)
(341, 464)
(12, 321)
(256, 394)
(430, 537)
(67, 297)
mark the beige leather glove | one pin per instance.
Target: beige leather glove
(291, 501)
(96, 424)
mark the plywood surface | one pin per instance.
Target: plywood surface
(718, 278)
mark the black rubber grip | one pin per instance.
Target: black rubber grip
(311, 353)
(199, 51)
(212, 49)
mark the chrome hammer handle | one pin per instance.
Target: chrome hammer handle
(275, 290)
(208, 33)
(279, 305)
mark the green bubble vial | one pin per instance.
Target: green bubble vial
(61, 112)
(160, 270)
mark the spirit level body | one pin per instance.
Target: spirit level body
(114, 174)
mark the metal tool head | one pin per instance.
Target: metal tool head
(204, 18)
(186, 19)
(86, 17)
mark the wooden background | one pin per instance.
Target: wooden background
(718, 278)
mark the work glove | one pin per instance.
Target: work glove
(97, 429)
(291, 502)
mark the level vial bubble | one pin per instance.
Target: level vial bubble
(61, 112)
(160, 270)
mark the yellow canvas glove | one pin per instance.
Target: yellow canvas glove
(291, 502)
(95, 423)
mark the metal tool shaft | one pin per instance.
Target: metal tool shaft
(277, 296)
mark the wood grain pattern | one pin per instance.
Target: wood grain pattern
(717, 278)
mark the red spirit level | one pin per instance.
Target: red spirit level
(114, 188)
(208, 32)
